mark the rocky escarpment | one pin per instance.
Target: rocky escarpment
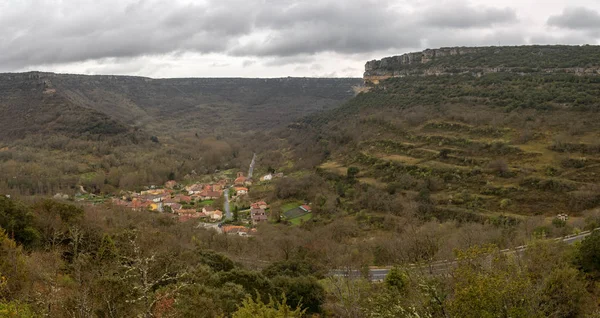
(581, 60)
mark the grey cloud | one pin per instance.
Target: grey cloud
(247, 63)
(461, 16)
(470, 38)
(44, 34)
(285, 32)
(285, 60)
(576, 19)
(568, 39)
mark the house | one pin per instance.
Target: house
(194, 188)
(208, 195)
(156, 206)
(259, 205)
(306, 208)
(240, 180)
(241, 190)
(216, 215)
(262, 204)
(267, 177)
(170, 184)
(183, 198)
(174, 206)
(235, 230)
(153, 192)
(562, 217)
(187, 212)
(258, 215)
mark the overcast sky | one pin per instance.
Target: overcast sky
(269, 38)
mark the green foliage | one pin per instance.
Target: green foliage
(216, 261)
(252, 282)
(352, 172)
(558, 223)
(251, 308)
(291, 268)
(15, 309)
(18, 221)
(69, 214)
(588, 256)
(397, 279)
(301, 292)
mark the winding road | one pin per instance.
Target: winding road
(444, 267)
(228, 215)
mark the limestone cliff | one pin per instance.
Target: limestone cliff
(478, 61)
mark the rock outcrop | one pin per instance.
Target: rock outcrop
(477, 61)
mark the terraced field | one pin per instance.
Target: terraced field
(453, 140)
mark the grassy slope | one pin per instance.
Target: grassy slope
(500, 144)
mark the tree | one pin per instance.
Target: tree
(501, 290)
(16, 309)
(588, 256)
(18, 221)
(236, 213)
(216, 261)
(396, 279)
(352, 172)
(302, 292)
(257, 308)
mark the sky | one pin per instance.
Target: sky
(269, 38)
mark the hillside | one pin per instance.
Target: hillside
(203, 103)
(475, 146)
(111, 132)
(29, 105)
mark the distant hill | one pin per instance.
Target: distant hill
(110, 132)
(469, 145)
(201, 103)
(30, 105)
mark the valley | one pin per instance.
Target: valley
(453, 182)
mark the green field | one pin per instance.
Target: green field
(301, 219)
(206, 202)
(291, 205)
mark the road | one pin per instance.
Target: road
(444, 267)
(228, 215)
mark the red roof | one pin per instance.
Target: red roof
(306, 208)
(183, 198)
(240, 180)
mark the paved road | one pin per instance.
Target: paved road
(443, 267)
(228, 215)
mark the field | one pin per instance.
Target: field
(476, 147)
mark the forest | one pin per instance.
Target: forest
(62, 260)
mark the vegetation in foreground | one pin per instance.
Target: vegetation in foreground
(58, 260)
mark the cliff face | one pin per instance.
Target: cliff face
(581, 60)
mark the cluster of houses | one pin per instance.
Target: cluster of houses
(183, 202)
(186, 201)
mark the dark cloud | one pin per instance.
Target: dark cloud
(272, 32)
(576, 19)
(36, 33)
(461, 16)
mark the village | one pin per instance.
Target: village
(207, 203)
